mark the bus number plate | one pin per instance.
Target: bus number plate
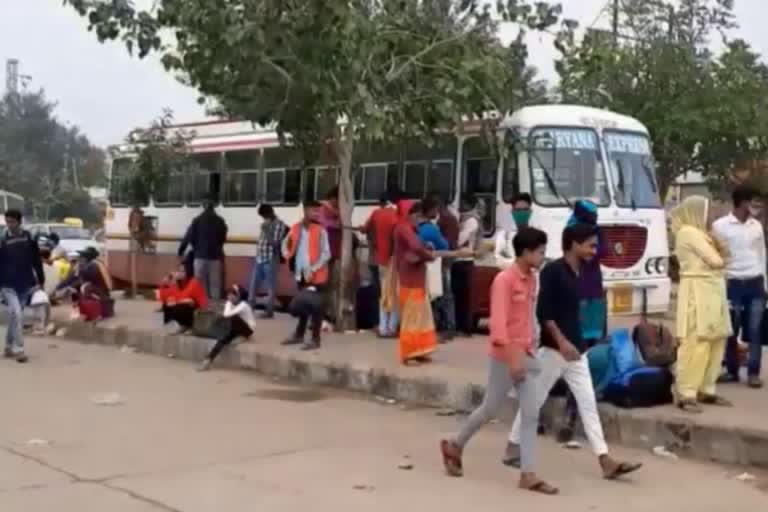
(621, 300)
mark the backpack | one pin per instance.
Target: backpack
(655, 343)
(641, 387)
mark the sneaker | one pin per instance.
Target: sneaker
(8, 354)
(21, 358)
(204, 366)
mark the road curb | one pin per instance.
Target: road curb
(639, 428)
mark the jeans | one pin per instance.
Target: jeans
(264, 277)
(14, 336)
(444, 308)
(389, 321)
(237, 328)
(461, 282)
(500, 383)
(210, 275)
(746, 301)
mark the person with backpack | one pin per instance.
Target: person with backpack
(703, 321)
(266, 264)
(562, 351)
(21, 273)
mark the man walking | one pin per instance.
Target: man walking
(743, 237)
(266, 264)
(207, 235)
(562, 348)
(512, 361)
(21, 273)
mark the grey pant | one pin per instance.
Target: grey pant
(209, 273)
(14, 336)
(500, 383)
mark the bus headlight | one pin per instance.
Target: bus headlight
(657, 265)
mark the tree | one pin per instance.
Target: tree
(335, 74)
(159, 152)
(45, 161)
(705, 112)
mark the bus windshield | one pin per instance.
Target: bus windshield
(632, 169)
(566, 166)
(71, 233)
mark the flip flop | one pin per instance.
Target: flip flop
(715, 400)
(542, 487)
(689, 406)
(451, 458)
(623, 469)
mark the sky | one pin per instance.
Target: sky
(106, 92)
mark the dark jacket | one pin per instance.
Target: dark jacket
(21, 267)
(207, 235)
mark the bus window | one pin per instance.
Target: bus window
(441, 179)
(309, 185)
(479, 178)
(204, 179)
(292, 192)
(415, 179)
(119, 195)
(510, 183)
(275, 186)
(171, 192)
(242, 177)
(377, 170)
(326, 180)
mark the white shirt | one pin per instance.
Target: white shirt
(746, 246)
(467, 235)
(243, 310)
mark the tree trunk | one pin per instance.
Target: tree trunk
(345, 305)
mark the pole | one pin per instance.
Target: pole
(615, 23)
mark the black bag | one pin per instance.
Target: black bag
(655, 341)
(641, 387)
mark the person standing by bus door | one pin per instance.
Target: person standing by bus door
(745, 270)
(470, 236)
(207, 235)
(21, 273)
(266, 264)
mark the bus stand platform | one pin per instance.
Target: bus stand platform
(452, 384)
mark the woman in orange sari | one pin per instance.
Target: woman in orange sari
(418, 339)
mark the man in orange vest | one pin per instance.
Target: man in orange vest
(308, 252)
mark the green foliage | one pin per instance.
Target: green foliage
(42, 159)
(705, 112)
(160, 151)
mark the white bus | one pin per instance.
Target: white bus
(560, 156)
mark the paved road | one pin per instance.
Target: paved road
(183, 441)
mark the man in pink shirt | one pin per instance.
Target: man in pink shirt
(513, 364)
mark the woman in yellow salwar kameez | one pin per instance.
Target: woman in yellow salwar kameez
(703, 323)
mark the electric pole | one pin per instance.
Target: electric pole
(12, 76)
(615, 23)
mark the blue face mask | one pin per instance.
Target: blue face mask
(521, 217)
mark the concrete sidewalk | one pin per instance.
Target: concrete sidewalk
(361, 362)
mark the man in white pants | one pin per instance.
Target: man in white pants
(561, 354)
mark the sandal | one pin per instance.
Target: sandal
(689, 406)
(755, 382)
(715, 400)
(451, 458)
(623, 469)
(541, 487)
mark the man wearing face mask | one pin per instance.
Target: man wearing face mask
(521, 215)
(745, 268)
